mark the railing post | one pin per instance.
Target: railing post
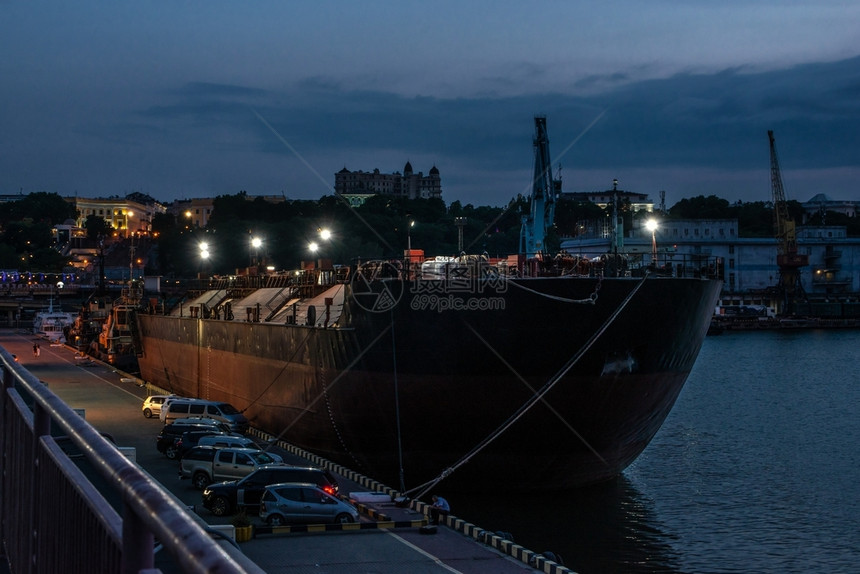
(7, 383)
(41, 427)
(137, 543)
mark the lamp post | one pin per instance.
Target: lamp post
(460, 222)
(652, 225)
(324, 235)
(409, 236)
(256, 243)
(204, 254)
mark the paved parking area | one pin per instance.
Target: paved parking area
(112, 404)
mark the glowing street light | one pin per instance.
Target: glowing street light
(325, 234)
(313, 246)
(652, 225)
(256, 243)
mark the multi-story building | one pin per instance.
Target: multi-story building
(822, 203)
(748, 263)
(127, 215)
(196, 212)
(192, 212)
(637, 201)
(357, 186)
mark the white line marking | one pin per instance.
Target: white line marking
(438, 561)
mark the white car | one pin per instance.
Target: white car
(152, 405)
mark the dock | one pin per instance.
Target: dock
(392, 536)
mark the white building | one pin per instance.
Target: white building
(748, 263)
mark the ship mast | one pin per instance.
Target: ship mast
(544, 192)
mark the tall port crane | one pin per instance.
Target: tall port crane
(788, 259)
(545, 190)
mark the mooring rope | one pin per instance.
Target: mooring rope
(590, 300)
(533, 400)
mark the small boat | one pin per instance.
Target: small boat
(51, 324)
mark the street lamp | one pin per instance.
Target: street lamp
(324, 235)
(652, 225)
(204, 254)
(256, 243)
(409, 236)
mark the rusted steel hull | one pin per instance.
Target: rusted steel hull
(434, 384)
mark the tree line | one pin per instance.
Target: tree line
(383, 227)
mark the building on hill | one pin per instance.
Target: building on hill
(127, 215)
(193, 212)
(637, 201)
(822, 203)
(357, 186)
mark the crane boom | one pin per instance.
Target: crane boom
(788, 259)
(544, 192)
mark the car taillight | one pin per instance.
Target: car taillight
(329, 489)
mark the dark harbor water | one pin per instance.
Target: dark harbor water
(757, 469)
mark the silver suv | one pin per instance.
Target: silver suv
(205, 464)
(304, 502)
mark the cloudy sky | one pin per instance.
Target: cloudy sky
(185, 99)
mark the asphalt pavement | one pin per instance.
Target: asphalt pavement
(389, 538)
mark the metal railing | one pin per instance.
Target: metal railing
(52, 517)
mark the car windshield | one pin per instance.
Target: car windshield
(228, 409)
(262, 458)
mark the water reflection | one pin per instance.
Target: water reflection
(610, 527)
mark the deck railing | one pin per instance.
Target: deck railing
(52, 517)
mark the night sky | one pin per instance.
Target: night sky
(199, 99)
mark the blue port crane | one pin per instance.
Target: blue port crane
(545, 190)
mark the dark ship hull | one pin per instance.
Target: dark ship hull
(379, 378)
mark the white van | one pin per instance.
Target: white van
(179, 408)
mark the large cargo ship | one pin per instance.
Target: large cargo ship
(432, 369)
(518, 378)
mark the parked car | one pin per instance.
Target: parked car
(152, 404)
(181, 407)
(165, 442)
(303, 502)
(206, 464)
(232, 440)
(223, 498)
(189, 439)
(197, 421)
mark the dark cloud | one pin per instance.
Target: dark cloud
(691, 133)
